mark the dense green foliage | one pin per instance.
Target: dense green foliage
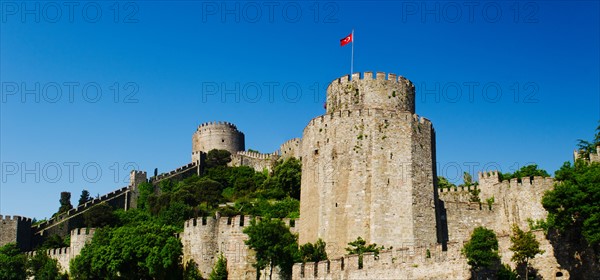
(482, 249)
(274, 245)
(574, 203)
(16, 265)
(524, 247)
(41, 266)
(313, 252)
(55, 241)
(141, 250)
(216, 158)
(219, 271)
(12, 263)
(525, 172)
(443, 183)
(99, 215)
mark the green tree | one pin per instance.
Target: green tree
(99, 215)
(359, 247)
(55, 241)
(443, 183)
(65, 202)
(41, 266)
(145, 190)
(84, 197)
(467, 179)
(287, 176)
(574, 203)
(217, 158)
(525, 172)
(589, 147)
(12, 263)
(191, 271)
(524, 247)
(219, 271)
(274, 245)
(313, 252)
(482, 249)
(147, 250)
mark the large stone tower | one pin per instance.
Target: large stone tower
(217, 135)
(368, 167)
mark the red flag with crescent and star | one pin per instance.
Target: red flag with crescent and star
(346, 40)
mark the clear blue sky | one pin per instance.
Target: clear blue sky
(504, 83)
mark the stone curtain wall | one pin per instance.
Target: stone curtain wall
(205, 238)
(257, 161)
(79, 237)
(406, 262)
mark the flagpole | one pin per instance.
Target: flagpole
(352, 57)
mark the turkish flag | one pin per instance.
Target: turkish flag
(346, 40)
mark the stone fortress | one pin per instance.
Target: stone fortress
(368, 170)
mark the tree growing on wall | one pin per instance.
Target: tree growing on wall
(482, 250)
(65, 202)
(525, 172)
(524, 246)
(313, 252)
(589, 147)
(219, 271)
(84, 197)
(359, 247)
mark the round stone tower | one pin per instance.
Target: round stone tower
(368, 167)
(217, 135)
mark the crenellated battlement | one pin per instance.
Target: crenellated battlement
(83, 231)
(410, 262)
(175, 172)
(217, 135)
(390, 92)
(80, 209)
(368, 76)
(217, 125)
(256, 155)
(15, 218)
(290, 148)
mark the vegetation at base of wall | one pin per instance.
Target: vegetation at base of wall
(274, 244)
(482, 249)
(142, 249)
(15, 265)
(55, 241)
(228, 190)
(219, 271)
(524, 246)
